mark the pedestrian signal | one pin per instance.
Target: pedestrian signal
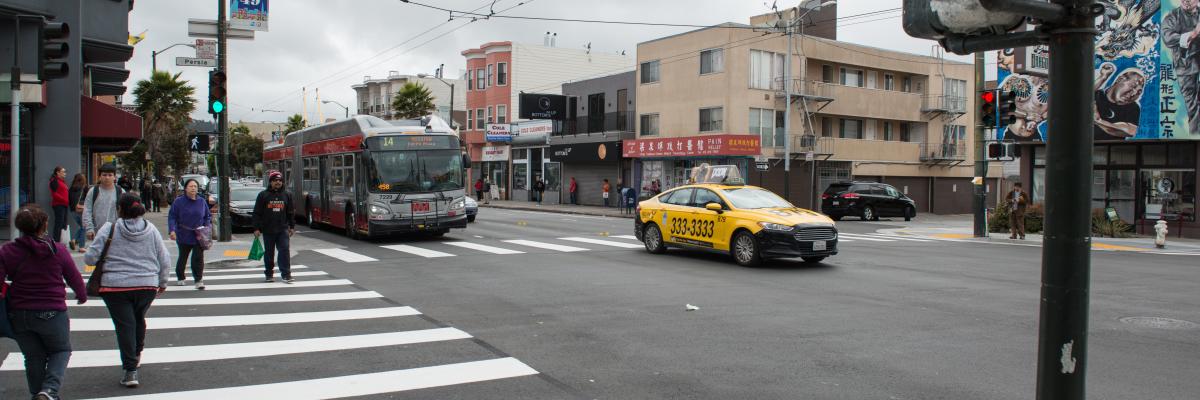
(198, 143)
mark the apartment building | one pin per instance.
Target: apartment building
(374, 96)
(497, 73)
(857, 113)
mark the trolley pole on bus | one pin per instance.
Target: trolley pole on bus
(226, 231)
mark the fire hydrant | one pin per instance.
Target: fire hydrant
(1160, 234)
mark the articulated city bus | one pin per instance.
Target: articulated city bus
(372, 177)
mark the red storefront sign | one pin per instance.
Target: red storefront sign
(693, 146)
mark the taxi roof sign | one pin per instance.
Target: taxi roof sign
(717, 174)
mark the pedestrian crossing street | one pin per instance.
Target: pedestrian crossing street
(322, 337)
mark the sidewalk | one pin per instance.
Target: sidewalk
(236, 249)
(556, 208)
(961, 227)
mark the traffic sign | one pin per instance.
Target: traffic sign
(195, 62)
(206, 49)
(207, 28)
(198, 143)
(762, 165)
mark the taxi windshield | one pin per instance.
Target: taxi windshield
(746, 197)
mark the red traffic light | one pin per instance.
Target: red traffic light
(987, 96)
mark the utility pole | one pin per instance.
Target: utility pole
(787, 113)
(14, 183)
(980, 206)
(226, 233)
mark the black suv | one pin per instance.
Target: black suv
(867, 200)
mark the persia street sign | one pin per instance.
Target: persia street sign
(195, 62)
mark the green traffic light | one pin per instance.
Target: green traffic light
(217, 107)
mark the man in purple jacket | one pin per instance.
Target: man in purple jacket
(37, 301)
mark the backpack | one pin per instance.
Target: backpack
(96, 192)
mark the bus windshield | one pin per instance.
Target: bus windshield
(416, 171)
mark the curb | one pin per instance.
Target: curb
(554, 210)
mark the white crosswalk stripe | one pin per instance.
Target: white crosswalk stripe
(105, 324)
(345, 255)
(483, 247)
(630, 237)
(864, 237)
(414, 250)
(211, 272)
(259, 275)
(205, 301)
(625, 245)
(547, 246)
(275, 285)
(898, 237)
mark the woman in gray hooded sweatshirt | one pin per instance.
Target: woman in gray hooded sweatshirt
(136, 269)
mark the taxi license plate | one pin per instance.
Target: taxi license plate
(836, 203)
(819, 245)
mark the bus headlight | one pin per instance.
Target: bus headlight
(377, 210)
(460, 204)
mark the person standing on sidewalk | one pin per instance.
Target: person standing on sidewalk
(75, 204)
(136, 269)
(1017, 201)
(479, 189)
(539, 188)
(574, 190)
(157, 196)
(604, 189)
(188, 212)
(37, 307)
(100, 206)
(274, 222)
(487, 191)
(59, 199)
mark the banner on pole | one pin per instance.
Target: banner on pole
(248, 14)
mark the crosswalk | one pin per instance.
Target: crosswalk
(363, 343)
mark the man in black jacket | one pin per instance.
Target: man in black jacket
(273, 220)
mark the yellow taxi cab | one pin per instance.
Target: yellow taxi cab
(719, 212)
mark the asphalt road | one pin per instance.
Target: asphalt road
(538, 305)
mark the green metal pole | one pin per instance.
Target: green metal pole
(980, 203)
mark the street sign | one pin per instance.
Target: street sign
(248, 14)
(195, 62)
(206, 49)
(207, 28)
(762, 165)
(809, 156)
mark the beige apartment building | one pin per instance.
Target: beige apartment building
(858, 113)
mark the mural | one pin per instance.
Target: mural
(1180, 64)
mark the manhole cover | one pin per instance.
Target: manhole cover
(1160, 323)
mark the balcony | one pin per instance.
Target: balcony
(621, 121)
(821, 147)
(808, 90)
(943, 153)
(951, 106)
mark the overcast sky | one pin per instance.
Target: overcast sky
(332, 44)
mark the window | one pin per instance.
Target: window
(780, 135)
(501, 74)
(1169, 194)
(906, 84)
(490, 119)
(712, 61)
(827, 73)
(712, 119)
(851, 77)
(479, 121)
(501, 114)
(480, 79)
(489, 76)
(851, 129)
(470, 80)
(889, 82)
(681, 197)
(470, 119)
(705, 196)
(310, 174)
(905, 135)
(826, 127)
(364, 109)
(649, 125)
(887, 131)
(650, 72)
(762, 123)
(766, 70)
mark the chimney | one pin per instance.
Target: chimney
(546, 40)
(553, 39)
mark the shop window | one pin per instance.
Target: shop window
(1122, 155)
(651, 171)
(1169, 194)
(520, 175)
(1155, 154)
(1100, 155)
(1039, 155)
(1181, 155)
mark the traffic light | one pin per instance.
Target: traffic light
(198, 143)
(52, 50)
(216, 91)
(987, 108)
(1006, 108)
(995, 150)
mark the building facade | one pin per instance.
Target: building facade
(374, 96)
(600, 114)
(1147, 122)
(73, 118)
(719, 95)
(497, 73)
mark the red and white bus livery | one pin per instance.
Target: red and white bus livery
(372, 177)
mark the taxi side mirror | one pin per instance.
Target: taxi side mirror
(714, 207)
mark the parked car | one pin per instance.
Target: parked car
(866, 200)
(472, 209)
(241, 206)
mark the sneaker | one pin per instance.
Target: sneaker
(131, 379)
(269, 280)
(199, 285)
(289, 281)
(181, 282)
(44, 396)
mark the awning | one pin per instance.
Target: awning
(102, 121)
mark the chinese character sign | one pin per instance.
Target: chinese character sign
(248, 14)
(1179, 69)
(711, 145)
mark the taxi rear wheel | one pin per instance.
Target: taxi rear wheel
(653, 239)
(745, 249)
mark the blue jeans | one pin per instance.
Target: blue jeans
(45, 340)
(79, 235)
(272, 242)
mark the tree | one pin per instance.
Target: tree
(165, 104)
(413, 101)
(134, 162)
(294, 123)
(246, 149)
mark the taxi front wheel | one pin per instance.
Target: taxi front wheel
(745, 249)
(653, 239)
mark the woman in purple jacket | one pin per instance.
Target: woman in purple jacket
(188, 212)
(37, 306)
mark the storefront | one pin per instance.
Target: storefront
(493, 167)
(668, 161)
(589, 163)
(531, 163)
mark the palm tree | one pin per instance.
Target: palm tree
(165, 104)
(294, 123)
(413, 101)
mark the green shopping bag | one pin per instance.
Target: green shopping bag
(256, 250)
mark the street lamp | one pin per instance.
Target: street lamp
(339, 104)
(451, 94)
(154, 55)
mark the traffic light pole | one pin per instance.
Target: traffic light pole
(981, 165)
(226, 231)
(14, 182)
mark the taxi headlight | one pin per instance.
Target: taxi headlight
(377, 210)
(776, 227)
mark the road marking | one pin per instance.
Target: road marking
(345, 255)
(271, 285)
(897, 237)
(364, 384)
(864, 237)
(547, 246)
(161, 355)
(254, 269)
(236, 253)
(630, 237)
(417, 251)
(106, 324)
(954, 235)
(1106, 246)
(603, 242)
(482, 247)
(205, 301)
(258, 275)
(844, 240)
